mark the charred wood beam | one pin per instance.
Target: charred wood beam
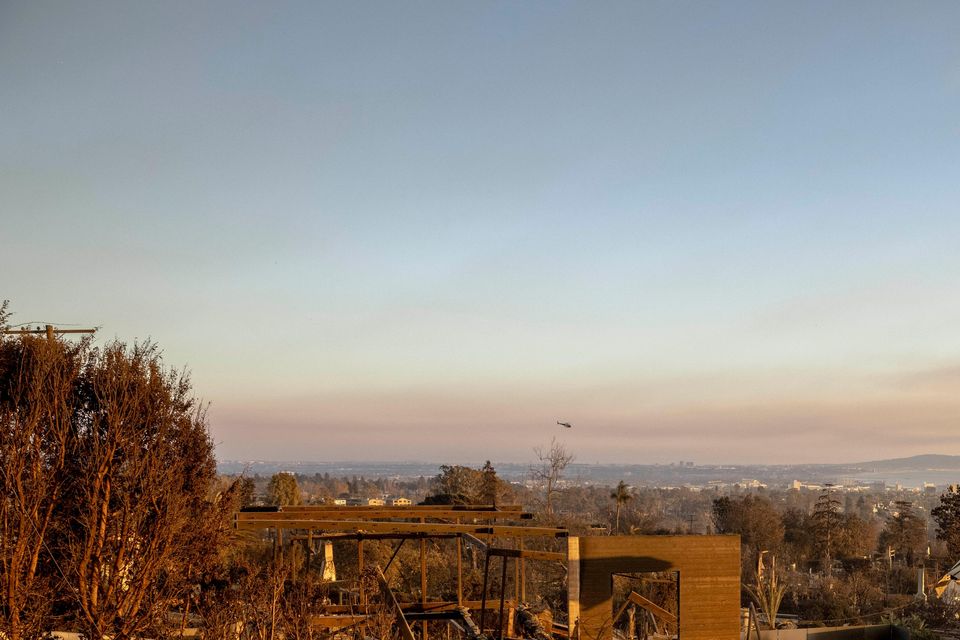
(401, 527)
(549, 556)
(529, 625)
(358, 513)
(505, 508)
(405, 631)
(373, 536)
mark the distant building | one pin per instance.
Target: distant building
(401, 502)
(375, 502)
(340, 502)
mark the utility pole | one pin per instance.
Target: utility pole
(49, 329)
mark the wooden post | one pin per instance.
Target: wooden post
(503, 593)
(363, 593)
(423, 581)
(483, 594)
(460, 571)
(516, 575)
(523, 575)
(309, 551)
(292, 560)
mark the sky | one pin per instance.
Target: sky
(717, 232)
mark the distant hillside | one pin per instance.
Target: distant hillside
(912, 472)
(921, 462)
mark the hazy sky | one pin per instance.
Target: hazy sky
(715, 231)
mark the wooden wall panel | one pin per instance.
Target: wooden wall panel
(709, 574)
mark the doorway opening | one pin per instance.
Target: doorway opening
(646, 606)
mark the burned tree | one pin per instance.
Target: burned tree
(553, 462)
(108, 514)
(141, 521)
(621, 496)
(37, 378)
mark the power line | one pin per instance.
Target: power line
(44, 322)
(50, 330)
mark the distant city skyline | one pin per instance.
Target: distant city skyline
(917, 473)
(722, 233)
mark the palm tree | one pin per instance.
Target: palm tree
(621, 495)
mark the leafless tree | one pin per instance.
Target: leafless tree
(552, 463)
(246, 602)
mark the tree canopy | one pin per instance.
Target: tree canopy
(947, 517)
(458, 484)
(753, 517)
(108, 472)
(284, 490)
(905, 533)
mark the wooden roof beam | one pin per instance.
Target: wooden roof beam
(505, 508)
(344, 535)
(370, 526)
(382, 513)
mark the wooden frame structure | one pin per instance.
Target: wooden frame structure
(708, 567)
(421, 523)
